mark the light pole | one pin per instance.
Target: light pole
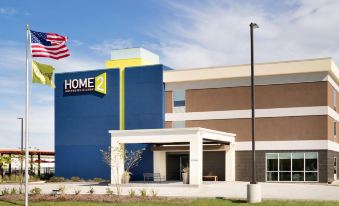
(22, 143)
(253, 189)
(22, 150)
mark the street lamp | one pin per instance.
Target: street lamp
(253, 189)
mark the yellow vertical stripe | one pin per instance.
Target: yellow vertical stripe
(121, 65)
(122, 98)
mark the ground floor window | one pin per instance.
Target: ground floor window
(296, 166)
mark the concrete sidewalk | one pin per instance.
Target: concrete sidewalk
(237, 190)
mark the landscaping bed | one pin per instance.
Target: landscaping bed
(91, 198)
(102, 200)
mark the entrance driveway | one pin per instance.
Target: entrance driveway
(236, 190)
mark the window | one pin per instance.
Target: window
(334, 99)
(296, 167)
(179, 101)
(335, 166)
(285, 167)
(311, 165)
(272, 167)
(178, 124)
(298, 164)
(335, 130)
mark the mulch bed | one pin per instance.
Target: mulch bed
(89, 198)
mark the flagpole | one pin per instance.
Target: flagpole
(27, 115)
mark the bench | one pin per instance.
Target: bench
(56, 192)
(211, 177)
(153, 177)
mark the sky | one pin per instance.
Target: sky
(185, 34)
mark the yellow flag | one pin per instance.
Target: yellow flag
(42, 74)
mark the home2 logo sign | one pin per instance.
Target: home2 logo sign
(97, 84)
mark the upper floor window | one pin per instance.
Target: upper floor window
(178, 124)
(335, 130)
(334, 99)
(179, 100)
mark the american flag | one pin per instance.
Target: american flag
(48, 45)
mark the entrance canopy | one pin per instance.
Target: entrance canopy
(195, 137)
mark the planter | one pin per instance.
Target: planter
(185, 177)
(125, 178)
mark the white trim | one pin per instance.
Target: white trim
(167, 132)
(264, 80)
(288, 145)
(245, 81)
(332, 82)
(264, 69)
(244, 114)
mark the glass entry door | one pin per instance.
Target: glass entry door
(335, 168)
(175, 163)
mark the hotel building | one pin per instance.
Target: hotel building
(201, 119)
(296, 115)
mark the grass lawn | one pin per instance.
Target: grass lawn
(196, 202)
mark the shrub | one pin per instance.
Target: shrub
(131, 193)
(75, 179)
(12, 178)
(57, 179)
(109, 191)
(91, 190)
(19, 178)
(13, 191)
(97, 179)
(46, 176)
(62, 189)
(5, 178)
(34, 178)
(77, 192)
(35, 191)
(154, 192)
(4, 191)
(143, 192)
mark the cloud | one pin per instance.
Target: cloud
(106, 46)
(74, 63)
(12, 58)
(76, 42)
(211, 33)
(8, 11)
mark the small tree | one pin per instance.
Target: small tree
(131, 159)
(4, 160)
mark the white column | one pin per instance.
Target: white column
(159, 163)
(195, 170)
(117, 161)
(230, 163)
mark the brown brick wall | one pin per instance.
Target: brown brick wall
(330, 165)
(168, 124)
(168, 102)
(267, 96)
(272, 129)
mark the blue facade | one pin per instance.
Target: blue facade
(82, 120)
(144, 108)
